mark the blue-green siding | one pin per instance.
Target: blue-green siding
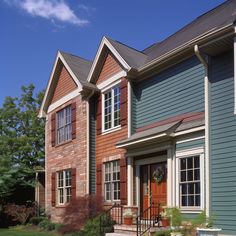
(223, 143)
(190, 144)
(92, 147)
(177, 90)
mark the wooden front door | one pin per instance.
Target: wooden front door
(151, 191)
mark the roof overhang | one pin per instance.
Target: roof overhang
(59, 62)
(186, 48)
(99, 59)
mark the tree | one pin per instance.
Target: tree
(21, 141)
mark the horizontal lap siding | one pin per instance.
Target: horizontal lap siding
(190, 144)
(175, 91)
(92, 147)
(223, 143)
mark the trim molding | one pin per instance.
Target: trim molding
(111, 81)
(105, 42)
(63, 100)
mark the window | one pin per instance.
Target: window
(64, 127)
(111, 113)
(112, 181)
(64, 186)
(190, 181)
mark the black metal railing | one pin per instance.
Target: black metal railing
(111, 217)
(147, 219)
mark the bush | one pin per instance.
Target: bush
(79, 211)
(37, 219)
(47, 225)
(163, 233)
(20, 213)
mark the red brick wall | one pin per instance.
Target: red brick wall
(110, 67)
(106, 149)
(69, 155)
(64, 86)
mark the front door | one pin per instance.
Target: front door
(153, 181)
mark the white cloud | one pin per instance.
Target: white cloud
(50, 9)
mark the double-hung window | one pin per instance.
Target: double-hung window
(64, 186)
(64, 126)
(190, 187)
(112, 181)
(111, 108)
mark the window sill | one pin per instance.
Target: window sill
(64, 143)
(191, 210)
(111, 130)
(110, 203)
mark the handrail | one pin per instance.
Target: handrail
(148, 218)
(110, 217)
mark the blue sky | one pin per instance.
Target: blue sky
(33, 30)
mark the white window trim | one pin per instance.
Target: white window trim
(104, 188)
(64, 187)
(112, 114)
(184, 154)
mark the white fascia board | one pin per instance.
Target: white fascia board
(42, 112)
(188, 131)
(63, 100)
(113, 50)
(182, 47)
(110, 82)
(141, 140)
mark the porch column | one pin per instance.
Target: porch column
(137, 171)
(130, 174)
(170, 178)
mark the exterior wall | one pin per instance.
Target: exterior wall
(223, 143)
(92, 146)
(190, 144)
(71, 154)
(64, 86)
(110, 67)
(176, 91)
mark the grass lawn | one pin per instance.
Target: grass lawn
(24, 232)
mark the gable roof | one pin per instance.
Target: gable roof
(217, 18)
(77, 67)
(132, 56)
(220, 18)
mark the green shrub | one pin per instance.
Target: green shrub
(47, 225)
(163, 233)
(36, 220)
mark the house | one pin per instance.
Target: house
(160, 123)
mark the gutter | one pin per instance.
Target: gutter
(203, 60)
(183, 47)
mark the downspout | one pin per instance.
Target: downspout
(207, 128)
(88, 142)
(235, 70)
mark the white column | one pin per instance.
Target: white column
(170, 182)
(130, 180)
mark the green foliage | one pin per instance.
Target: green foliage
(21, 141)
(92, 227)
(175, 215)
(47, 225)
(163, 233)
(36, 220)
(203, 221)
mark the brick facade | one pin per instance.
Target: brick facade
(70, 155)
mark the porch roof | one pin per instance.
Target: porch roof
(164, 129)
